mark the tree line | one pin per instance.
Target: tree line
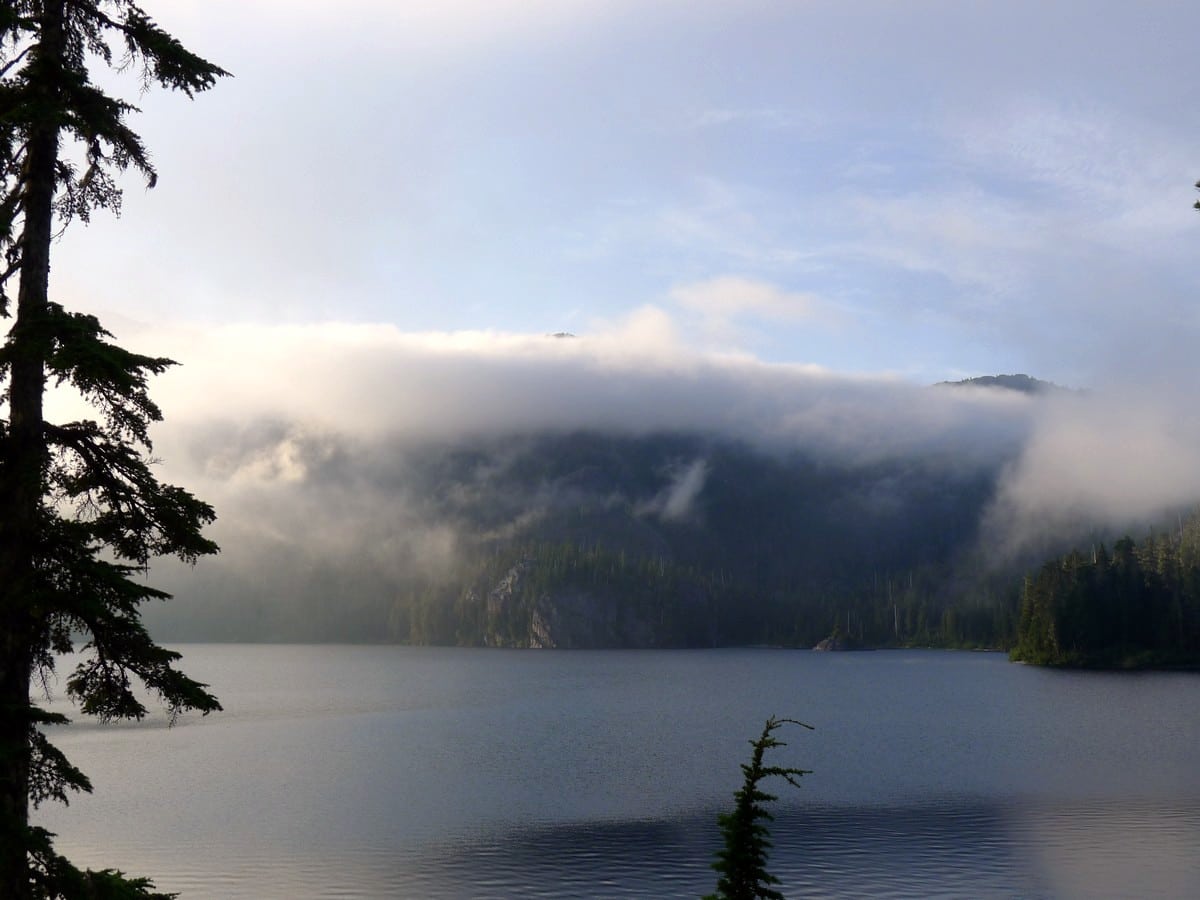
(635, 599)
(1134, 605)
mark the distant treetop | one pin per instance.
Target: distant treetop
(1026, 384)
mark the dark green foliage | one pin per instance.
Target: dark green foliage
(51, 875)
(742, 862)
(1138, 605)
(776, 548)
(585, 595)
(81, 512)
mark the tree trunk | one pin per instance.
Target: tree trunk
(14, 761)
(22, 484)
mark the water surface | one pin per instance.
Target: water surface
(443, 773)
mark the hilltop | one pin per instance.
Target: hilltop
(1025, 384)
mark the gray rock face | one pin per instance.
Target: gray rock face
(564, 618)
(501, 596)
(839, 642)
(573, 620)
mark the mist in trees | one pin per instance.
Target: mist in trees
(771, 546)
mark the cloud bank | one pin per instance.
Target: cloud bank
(295, 432)
(376, 382)
(1104, 460)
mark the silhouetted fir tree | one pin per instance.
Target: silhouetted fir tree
(81, 512)
(742, 862)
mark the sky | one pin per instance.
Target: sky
(780, 221)
(929, 190)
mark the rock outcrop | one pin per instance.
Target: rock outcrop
(571, 616)
(839, 642)
(574, 620)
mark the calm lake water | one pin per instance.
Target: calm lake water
(442, 773)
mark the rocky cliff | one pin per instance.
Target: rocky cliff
(563, 615)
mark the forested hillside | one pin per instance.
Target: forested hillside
(1138, 604)
(603, 538)
(683, 541)
(590, 539)
(596, 539)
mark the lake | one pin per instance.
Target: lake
(371, 771)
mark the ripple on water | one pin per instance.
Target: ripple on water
(967, 849)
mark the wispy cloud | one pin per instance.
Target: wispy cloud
(731, 308)
(976, 240)
(676, 501)
(730, 296)
(770, 118)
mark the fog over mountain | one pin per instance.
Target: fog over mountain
(342, 446)
(773, 228)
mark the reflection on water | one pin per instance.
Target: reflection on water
(404, 772)
(968, 850)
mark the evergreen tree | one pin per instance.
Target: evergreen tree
(1134, 607)
(742, 863)
(81, 512)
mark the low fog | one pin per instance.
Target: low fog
(313, 442)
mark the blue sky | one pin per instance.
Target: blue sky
(928, 190)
